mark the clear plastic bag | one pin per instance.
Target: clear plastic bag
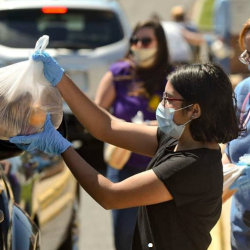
(231, 172)
(26, 97)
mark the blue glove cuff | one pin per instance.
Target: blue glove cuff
(58, 78)
(65, 144)
(53, 72)
(49, 140)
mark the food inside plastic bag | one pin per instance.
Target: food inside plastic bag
(26, 97)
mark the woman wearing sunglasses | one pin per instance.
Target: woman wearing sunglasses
(134, 84)
(240, 210)
(180, 192)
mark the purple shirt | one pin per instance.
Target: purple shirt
(126, 106)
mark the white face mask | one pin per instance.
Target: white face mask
(249, 66)
(166, 123)
(144, 56)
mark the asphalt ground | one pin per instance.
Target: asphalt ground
(95, 225)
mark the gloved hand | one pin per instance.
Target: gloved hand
(243, 181)
(52, 70)
(49, 141)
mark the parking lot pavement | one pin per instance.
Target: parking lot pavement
(95, 225)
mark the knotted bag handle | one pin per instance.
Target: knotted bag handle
(42, 43)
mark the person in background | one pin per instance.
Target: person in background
(222, 29)
(240, 208)
(179, 16)
(183, 38)
(179, 48)
(135, 83)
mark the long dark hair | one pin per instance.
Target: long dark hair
(154, 77)
(209, 86)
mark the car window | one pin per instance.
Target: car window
(74, 29)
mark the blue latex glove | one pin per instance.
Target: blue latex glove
(52, 70)
(243, 181)
(49, 141)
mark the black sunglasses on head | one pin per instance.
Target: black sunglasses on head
(144, 40)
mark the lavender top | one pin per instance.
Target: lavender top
(126, 106)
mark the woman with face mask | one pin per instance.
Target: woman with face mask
(180, 192)
(240, 210)
(133, 84)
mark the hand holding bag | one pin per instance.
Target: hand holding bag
(26, 97)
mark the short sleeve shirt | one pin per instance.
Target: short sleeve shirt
(195, 180)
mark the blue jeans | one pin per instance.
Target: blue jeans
(240, 220)
(124, 220)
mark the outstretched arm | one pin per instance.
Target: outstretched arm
(139, 190)
(135, 137)
(105, 94)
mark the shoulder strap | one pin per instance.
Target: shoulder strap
(243, 110)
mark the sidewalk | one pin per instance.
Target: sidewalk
(95, 225)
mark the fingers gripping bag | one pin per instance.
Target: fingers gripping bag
(26, 97)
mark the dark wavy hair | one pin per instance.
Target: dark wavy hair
(154, 77)
(209, 86)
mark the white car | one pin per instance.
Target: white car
(86, 36)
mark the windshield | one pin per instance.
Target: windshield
(75, 29)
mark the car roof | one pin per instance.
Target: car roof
(85, 4)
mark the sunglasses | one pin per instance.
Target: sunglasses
(245, 57)
(145, 41)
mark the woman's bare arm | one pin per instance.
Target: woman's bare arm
(193, 37)
(135, 137)
(139, 190)
(106, 93)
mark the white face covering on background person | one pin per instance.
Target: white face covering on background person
(144, 56)
(166, 123)
(249, 66)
